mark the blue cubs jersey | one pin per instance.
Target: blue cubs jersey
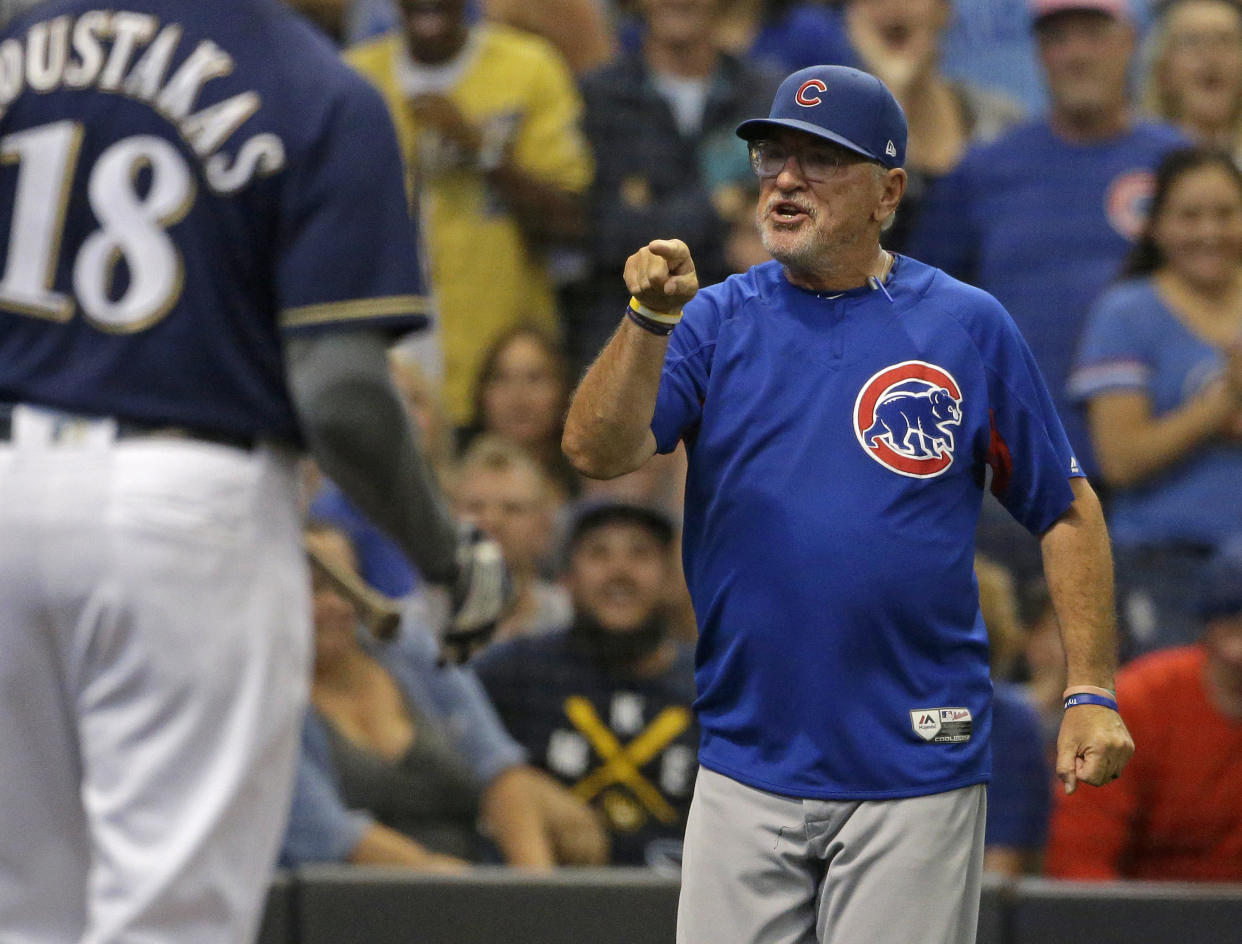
(838, 448)
(181, 183)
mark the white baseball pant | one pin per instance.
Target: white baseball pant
(154, 663)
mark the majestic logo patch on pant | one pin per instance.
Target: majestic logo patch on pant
(942, 725)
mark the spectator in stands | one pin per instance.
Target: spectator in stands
(659, 484)
(521, 394)
(605, 704)
(579, 29)
(381, 562)
(899, 42)
(405, 763)
(783, 36)
(1194, 75)
(1020, 793)
(488, 118)
(660, 121)
(1161, 373)
(1043, 217)
(1176, 815)
(507, 494)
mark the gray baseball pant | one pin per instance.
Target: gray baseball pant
(760, 868)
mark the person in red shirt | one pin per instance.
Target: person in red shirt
(1177, 813)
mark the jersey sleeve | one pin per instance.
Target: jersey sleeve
(1028, 451)
(1113, 355)
(687, 366)
(348, 252)
(551, 143)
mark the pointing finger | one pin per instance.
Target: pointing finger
(674, 251)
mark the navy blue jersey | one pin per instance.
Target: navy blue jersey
(838, 448)
(624, 743)
(181, 182)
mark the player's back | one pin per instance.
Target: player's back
(160, 166)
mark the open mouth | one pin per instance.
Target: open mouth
(786, 211)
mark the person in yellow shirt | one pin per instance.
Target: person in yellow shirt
(497, 166)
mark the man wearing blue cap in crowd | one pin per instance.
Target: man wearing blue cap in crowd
(843, 409)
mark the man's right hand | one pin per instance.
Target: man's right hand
(661, 275)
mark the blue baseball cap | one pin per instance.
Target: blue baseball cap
(846, 106)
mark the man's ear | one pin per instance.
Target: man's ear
(894, 182)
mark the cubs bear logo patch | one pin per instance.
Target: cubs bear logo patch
(905, 415)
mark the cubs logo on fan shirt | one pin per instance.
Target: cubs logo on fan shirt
(904, 418)
(1127, 200)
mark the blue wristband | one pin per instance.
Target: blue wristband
(1088, 699)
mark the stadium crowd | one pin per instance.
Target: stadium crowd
(1076, 158)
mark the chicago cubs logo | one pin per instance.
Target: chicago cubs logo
(904, 415)
(805, 97)
(1127, 201)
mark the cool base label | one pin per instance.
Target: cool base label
(942, 725)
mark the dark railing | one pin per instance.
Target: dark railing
(343, 905)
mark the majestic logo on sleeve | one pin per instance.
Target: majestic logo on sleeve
(904, 418)
(806, 96)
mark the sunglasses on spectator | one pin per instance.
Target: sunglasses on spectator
(816, 162)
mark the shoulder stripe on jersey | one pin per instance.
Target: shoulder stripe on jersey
(357, 309)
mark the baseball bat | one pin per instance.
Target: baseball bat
(379, 613)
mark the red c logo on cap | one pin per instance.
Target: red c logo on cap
(807, 101)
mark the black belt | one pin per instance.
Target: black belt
(129, 429)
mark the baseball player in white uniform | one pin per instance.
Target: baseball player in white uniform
(204, 249)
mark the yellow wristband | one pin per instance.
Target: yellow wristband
(663, 317)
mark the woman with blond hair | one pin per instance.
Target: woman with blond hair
(1193, 77)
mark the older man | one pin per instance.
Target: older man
(841, 407)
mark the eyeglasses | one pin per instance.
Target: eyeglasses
(816, 162)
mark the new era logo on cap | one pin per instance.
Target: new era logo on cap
(843, 105)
